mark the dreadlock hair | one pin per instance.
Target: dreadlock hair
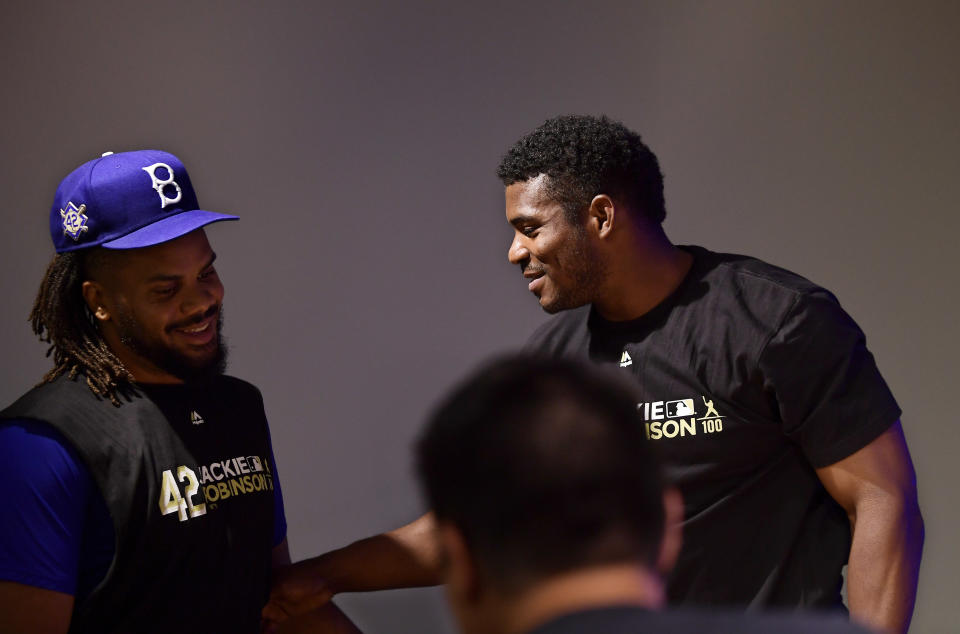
(61, 318)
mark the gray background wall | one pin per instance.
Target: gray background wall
(358, 143)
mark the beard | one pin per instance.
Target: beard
(587, 277)
(582, 292)
(185, 368)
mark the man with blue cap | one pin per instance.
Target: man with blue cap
(141, 493)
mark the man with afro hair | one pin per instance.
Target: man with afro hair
(755, 386)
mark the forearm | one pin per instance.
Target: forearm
(402, 558)
(30, 610)
(884, 563)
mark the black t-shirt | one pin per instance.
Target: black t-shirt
(632, 620)
(750, 378)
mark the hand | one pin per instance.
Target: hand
(297, 589)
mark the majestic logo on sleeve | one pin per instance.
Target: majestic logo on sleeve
(74, 220)
(678, 418)
(162, 178)
(625, 359)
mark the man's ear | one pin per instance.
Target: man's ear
(94, 296)
(672, 530)
(601, 215)
(459, 568)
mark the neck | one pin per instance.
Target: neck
(647, 269)
(602, 586)
(141, 368)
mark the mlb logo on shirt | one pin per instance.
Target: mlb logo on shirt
(678, 409)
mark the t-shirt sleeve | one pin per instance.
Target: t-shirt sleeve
(831, 397)
(279, 516)
(46, 489)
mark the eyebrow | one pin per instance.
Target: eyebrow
(161, 277)
(521, 219)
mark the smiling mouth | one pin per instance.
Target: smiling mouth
(536, 280)
(199, 333)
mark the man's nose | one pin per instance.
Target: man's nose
(199, 299)
(518, 252)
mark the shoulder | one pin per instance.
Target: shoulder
(61, 390)
(736, 622)
(758, 291)
(616, 619)
(231, 385)
(752, 274)
(795, 623)
(553, 336)
(241, 399)
(33, 451)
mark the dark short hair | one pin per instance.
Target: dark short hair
(543, 466)
(583, 156)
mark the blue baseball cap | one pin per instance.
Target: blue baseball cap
(127, 200)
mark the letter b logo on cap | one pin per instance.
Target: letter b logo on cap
(164, 183)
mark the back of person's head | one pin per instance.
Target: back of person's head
(584, 156)
(543, 468)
